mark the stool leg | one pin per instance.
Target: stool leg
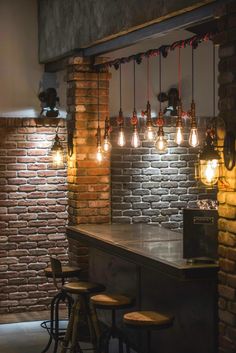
(148, 341)
(69, 330)
(74, 339)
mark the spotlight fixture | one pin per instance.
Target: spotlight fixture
(193, 136)
(120, 120)
(49, 100)
(161, 142)
(135, 140)
(57, 153)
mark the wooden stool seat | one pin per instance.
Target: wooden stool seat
(109, 301)
(66, 272)
(81, 287)
(147, 319)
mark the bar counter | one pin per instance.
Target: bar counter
(146, 262)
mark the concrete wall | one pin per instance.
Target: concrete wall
(72, 24)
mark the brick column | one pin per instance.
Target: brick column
(88, 182)
(227, 199)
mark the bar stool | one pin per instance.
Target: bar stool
(147, 321)
(81, 307)
(59, 273)
(112, 302)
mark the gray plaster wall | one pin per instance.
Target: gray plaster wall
(66, 25)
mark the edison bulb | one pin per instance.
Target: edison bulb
(179, 135)
(161, 143)
(209, 171)
(121, 138)
(57, 158)
(193, 137)
(149, 133)
(135, 140)
(99, 155)
(106, 145)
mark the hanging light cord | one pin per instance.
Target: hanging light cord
(120, 90)
(98, 103)
(148, 83)
(134, 88)
(160, 78)
(192, 73)
(214, 80)
(179, 74)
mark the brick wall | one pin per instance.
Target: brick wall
(88, 182)
(33, 212)
(148, 186)
(227, 199)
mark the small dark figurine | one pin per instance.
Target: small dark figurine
(49, 100)
(172, 97)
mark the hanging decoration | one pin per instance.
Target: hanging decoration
(193, 136)
(161, 142)
(149, 128)
(179, 122)
(135, 140)
(99, 154)
(120, 120)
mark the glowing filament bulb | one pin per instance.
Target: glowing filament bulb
(99, 155)
(135, 140)
(179, 135)
(193, 137)
(149, 133)
(161, 143)
(121, 137)
(106, 145)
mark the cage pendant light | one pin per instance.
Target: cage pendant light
(121, 141)
(179, 123)
(135, 139)
(161, 142)
(57, 152)
(193, 136)
(149, 128)
(99, 154)
(208, 168)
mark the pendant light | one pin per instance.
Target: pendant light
(57, 153)
(193, 136)
(209, 159)
(99, 155)
(161, 142)
(120, 120)
(149, 129)
(135, 140)
(179, 123)
(106, 142)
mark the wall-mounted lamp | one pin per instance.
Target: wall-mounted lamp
(49, 100)
(57, 153)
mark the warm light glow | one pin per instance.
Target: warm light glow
(106, 145)
(209, 171)
(57, 158)
(150, 133)
(179, 135)
(193, 137)
(99, 154)
(161, 143)
(121, 138)
(135, 140)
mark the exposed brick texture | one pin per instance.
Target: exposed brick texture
(148, 186)
(88, 182)
(33, 212)
(227, 199)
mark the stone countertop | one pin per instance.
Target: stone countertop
(143, 244)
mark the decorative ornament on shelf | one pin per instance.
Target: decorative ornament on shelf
(193, 136)
(135, 140)
(49, 101)
(161, 142)
(57, 152)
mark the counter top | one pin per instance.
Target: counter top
(143, 244)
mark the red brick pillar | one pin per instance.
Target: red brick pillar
(227, 199)
(88, 182)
